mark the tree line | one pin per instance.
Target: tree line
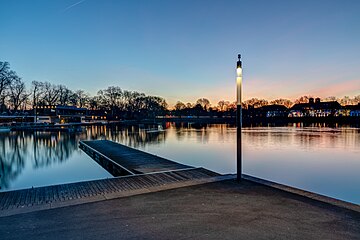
(224, 106)
(14, 97)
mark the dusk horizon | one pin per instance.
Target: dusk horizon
(353, 99)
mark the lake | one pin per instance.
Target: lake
(316, 158)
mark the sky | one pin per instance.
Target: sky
(185, 50)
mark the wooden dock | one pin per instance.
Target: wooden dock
(135, 171)
(121, 160)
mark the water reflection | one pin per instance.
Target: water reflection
(40, 148)
(303, 138)
(319, 158)
(132, 136)
(46, 149)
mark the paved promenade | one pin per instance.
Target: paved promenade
(220, 210)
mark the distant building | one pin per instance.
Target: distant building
(267, 111)
(352, 110)
(274, 111)
(55, 110)
(96, 116)
(59, 114)
(315, 109)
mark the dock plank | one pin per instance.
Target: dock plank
(24, 200)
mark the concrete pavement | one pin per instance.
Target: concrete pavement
(220, 210)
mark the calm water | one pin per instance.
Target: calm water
(319, 159)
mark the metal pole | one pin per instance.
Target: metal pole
(238, 131)
(238, 119)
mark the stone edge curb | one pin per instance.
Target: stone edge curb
(303, 193)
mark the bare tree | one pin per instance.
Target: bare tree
(37, 90)
(131, 101)
(111, 98)
(303, 99)
(285, 102)
(18, 93)
(330, 99)
(205, 103)
(345, 101)
(154, 105)
(6, 75)
(51, 93)
(256, 103)
(179, 106)
(82, 98)
(189, 105)
(221, 105)
(64, 95)
(357, 99)
(94, 103)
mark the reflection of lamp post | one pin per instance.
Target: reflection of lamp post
(35, 113)
(238, 116)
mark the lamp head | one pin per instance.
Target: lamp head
(238, 65)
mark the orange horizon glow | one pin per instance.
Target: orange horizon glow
(261, 89)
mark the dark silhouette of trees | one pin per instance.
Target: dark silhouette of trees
(51, 93)
(6, 77)
(37, 91)
(179, 106)
(151, 106)
(82, 98)
(204, 103)
(94, 103)
(17, 93)
(189, 105)
(223, 105)
(198, 110)
(331, 98)
(128, 103)
(132, 101)
(256, 103)
(110, 97)
(65, 95)
(285, 102)
(303, 99)
(356, 100)
(346, 100)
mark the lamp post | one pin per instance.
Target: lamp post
(238, 117)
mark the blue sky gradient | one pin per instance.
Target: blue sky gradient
(184, 50)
